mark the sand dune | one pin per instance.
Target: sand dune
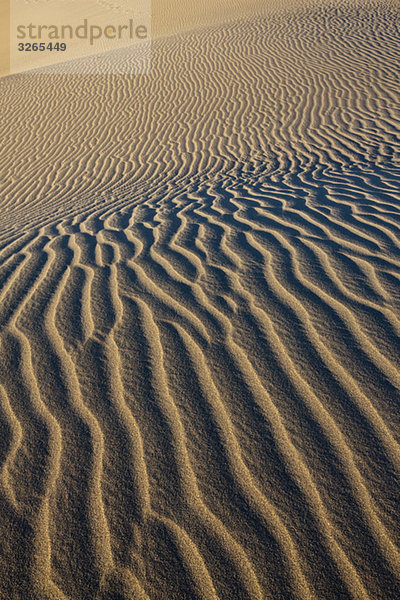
(200, 316)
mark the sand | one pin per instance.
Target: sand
(200, 314)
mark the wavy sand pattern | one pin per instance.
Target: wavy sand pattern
(200, 317)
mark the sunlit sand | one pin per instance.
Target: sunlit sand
(199, 313)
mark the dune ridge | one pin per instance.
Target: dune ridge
(199, 317)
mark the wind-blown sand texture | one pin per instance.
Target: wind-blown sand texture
(199, 312)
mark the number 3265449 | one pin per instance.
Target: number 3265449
(42, 46)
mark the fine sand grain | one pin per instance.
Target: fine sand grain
(200, 314)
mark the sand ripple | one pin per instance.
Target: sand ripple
(200, 318)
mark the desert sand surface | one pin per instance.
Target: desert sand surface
(200, 315)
